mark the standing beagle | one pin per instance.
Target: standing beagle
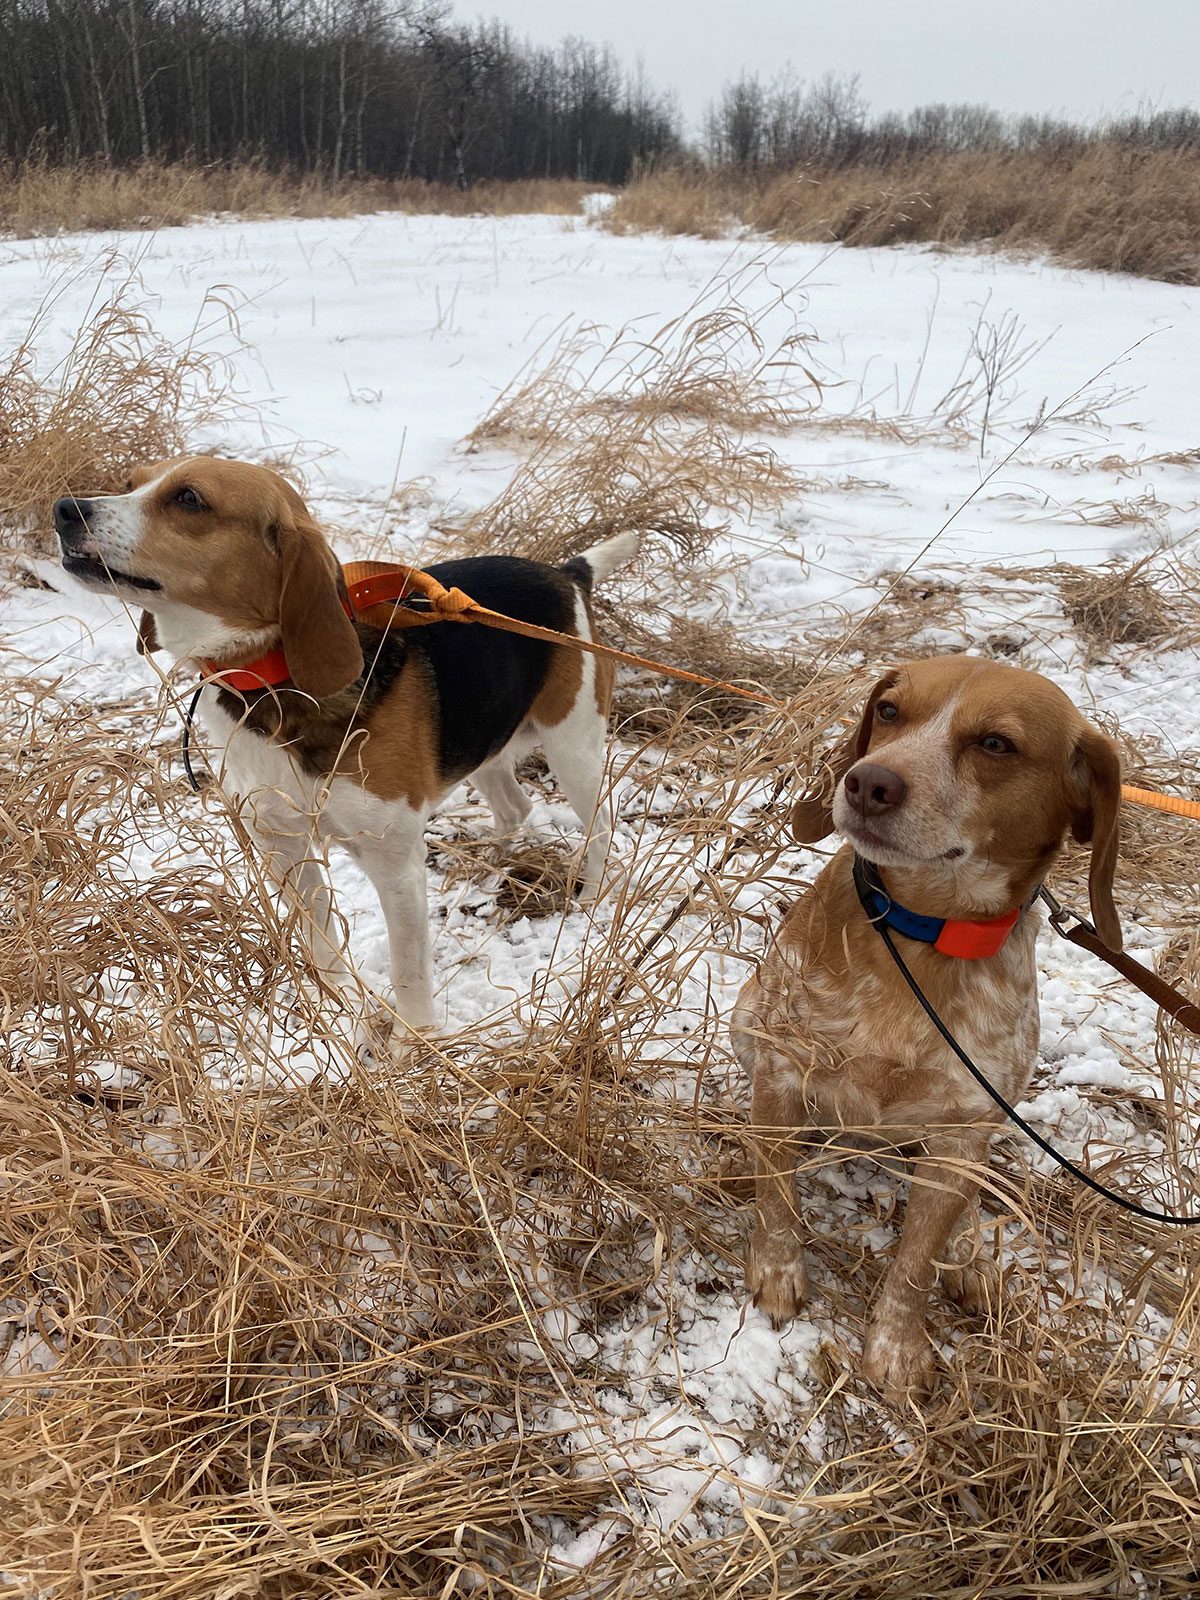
(956, 790)
(333, 730)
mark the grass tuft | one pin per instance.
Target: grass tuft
(123, 396)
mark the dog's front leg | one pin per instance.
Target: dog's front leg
(396, 867)
(898, 1357)
(775, 1274)
(291, 862)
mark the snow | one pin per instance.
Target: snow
(372, 346)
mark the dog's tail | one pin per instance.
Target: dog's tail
(602, 560)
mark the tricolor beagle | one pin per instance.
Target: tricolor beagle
(369, 729)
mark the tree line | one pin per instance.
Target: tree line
(396, 88)
(336, 87)
(788, 123)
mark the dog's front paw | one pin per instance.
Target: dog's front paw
(973, 1285)
(775, 1275)
(898, 1357)
(414, 1009)
(369, 1036)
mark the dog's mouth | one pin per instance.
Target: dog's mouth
(877, 847)
(93, 571)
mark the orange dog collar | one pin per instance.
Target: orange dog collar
(368, 584)
(951, 936)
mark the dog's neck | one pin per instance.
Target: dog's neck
(192, 637)
(964, 890)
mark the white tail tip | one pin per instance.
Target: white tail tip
(604, 559)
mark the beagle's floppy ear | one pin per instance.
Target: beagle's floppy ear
(147, 635)
(319, 641)
(1096, 771)
(811, 819)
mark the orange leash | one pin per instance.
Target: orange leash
(1161, 802)
(376, 587)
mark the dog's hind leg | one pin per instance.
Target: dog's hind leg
(576, 753)
(497, 783)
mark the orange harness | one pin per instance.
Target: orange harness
(375, 590)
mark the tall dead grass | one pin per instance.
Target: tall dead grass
(282, 1332)
(122, 396)
(1101, 207)
(661, 434)
(37, 197)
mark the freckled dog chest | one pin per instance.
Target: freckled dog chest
(875, 1058)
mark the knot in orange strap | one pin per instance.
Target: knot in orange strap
(374, 589)
(449, 603)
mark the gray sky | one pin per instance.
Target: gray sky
(1081, 57)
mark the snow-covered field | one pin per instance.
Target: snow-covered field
(368, 349)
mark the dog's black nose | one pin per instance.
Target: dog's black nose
(71, 516)
(873, 790)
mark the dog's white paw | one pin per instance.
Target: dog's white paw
(898, 1357)
(775, 1275)
(414, 1010)
(369, 1040)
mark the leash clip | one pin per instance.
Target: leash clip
(1059, 912)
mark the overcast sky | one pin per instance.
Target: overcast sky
(1081, 57)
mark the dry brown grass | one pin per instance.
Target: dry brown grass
(1104, 207)
(121, 397)
(1153, 602)
(658, 434)
(297, 1337)
(281, 1325)
(684, 201)
(39, 198)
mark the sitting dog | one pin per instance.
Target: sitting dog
(330, 729)
(957, 788)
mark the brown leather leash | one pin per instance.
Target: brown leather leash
(1084, 935)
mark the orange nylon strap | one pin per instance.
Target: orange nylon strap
(374, 587)
(268, 672)
(379, 584)
(1162, 802)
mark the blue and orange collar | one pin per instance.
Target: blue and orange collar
(951, 936)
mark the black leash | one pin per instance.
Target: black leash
(863, 875)
(187, 739)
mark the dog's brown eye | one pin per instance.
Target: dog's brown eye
(190, 500)
(997, 745)
(885, 711)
